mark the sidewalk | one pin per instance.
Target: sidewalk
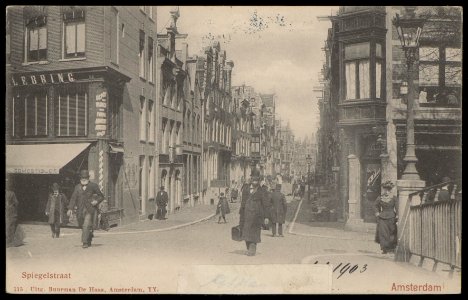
(302, 224)
(185, 217)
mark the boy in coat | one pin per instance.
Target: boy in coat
(253, 212)
(222, 209)
(55, 208)
(278, 211)
(85, 198)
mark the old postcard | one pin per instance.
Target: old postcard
(233, 149)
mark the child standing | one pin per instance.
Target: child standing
(222, 209)
(55, 209)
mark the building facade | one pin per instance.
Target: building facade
(78, 86)
(366, 81)
(217, 120)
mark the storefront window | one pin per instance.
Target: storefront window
(30, 115)
(36, 40)
(71, 112)
(74, 34)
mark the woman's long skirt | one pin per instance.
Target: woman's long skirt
(386, 234)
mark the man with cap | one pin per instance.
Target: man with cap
(55, 209)
(254, 212)
(161, 202)
(86, 198)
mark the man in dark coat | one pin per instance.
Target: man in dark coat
(222, 209)
(11, 215)
(161, 202)
(253, 212)
(278, 210)
(55, 208)
(85, 198)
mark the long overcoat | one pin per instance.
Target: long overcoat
(82, 200)
(278, 208)
(254, 209)
(223, 206)
(59, 201)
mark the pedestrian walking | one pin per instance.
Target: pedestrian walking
(222, 209)
(253, 213)
(161, 202)
(55, 209)
(85, 199)
(386, 211)
(14, 233)
(278, 211)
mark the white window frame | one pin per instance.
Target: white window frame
(27, 42)
(151, 120)
(143, 117)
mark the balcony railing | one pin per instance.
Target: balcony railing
(432, 229)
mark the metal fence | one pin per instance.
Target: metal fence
(432, 229)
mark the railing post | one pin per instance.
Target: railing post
(405, 188)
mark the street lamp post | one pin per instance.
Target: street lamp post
(309, 161)
(409, 31)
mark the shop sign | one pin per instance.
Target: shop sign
(33, 170)
(101, 114)
(41, 79)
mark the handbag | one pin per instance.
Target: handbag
(236, 233)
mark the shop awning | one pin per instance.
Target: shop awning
(41, 159)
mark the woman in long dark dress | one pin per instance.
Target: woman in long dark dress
(386, 211)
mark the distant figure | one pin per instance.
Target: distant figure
(444, 194)
(278, 211)
(279, 180)
(222, 209)
(234, 194)
(452, 99)
(55, 209)
(386, 211)
(86, 198)
(161, 202)
(423, 96)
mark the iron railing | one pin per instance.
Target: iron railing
(432, 228)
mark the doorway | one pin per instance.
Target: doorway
(370, 189)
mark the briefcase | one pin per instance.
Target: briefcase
(236, 233)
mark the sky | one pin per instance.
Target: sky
(274, 49)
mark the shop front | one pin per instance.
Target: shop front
(58, 123)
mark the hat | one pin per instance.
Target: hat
(388, 185)
(255, 174)
(162, 187)
(84, 174)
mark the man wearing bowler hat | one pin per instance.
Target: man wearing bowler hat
(86, 198)
(254, 212)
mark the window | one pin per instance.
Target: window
(71, 112)
(74, 34)
(36, 39)
(142, 185)
(358, 71)
(115, 115)
(440, 75)
(150, 12)
(114, 35)
(151, 178)
(8, 39)
(141, 54)
(150, 60)
(143, 114)
(30, 114)
(151, 123)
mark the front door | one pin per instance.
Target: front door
(370, 189)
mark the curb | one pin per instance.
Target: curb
(150, 230)
(161, 229)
